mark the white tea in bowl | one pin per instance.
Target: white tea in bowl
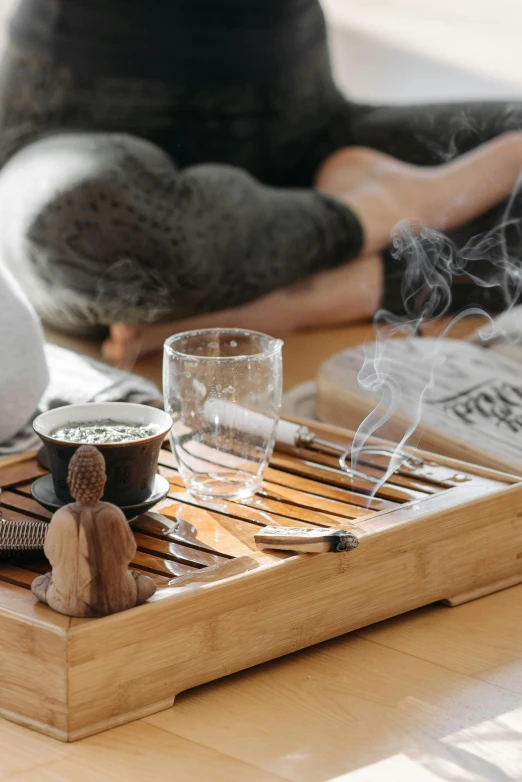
(104, 432)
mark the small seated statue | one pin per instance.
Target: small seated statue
(89, 545)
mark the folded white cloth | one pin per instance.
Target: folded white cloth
(75, 379)
(23, 372)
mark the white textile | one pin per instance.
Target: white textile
(23, 369)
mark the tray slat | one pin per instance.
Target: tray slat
(20, 473)
(336, 477)
(160, 566)
(259, 511)
(21, 502)
(210, 532)
(24, 487)
(14, 574)
(175, 551)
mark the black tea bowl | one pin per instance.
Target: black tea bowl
(131, 466)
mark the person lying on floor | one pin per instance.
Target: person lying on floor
(23, 369)
(169, 165)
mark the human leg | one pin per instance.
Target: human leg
(348, 293)
(429, 135)
(104, 229)
(381, 190)
(426, 134)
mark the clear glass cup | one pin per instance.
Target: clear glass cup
(222, 388)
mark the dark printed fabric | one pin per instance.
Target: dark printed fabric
(183, 41)
(268, 123)
(126, 229)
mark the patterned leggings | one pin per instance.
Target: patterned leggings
(107, 217)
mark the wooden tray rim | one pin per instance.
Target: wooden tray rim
(415, 510)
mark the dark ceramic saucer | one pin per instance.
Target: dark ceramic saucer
(42, 491)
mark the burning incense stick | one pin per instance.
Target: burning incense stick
(306, 540)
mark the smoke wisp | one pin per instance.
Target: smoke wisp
(434, 268)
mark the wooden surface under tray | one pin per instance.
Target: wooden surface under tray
(438, 530)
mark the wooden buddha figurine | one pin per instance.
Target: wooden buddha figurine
(89, 545)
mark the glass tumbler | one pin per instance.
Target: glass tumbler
(222, 388)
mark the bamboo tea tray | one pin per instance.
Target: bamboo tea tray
(438, 530)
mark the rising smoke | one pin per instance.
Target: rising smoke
(434, 268)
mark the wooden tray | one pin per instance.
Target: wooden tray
(442, 531)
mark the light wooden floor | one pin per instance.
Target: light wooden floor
(432, 695)
(302, 355)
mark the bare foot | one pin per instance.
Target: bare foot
(349, 293)
(382, 191)
(123, 347)
(350, 168)
(126, 344)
